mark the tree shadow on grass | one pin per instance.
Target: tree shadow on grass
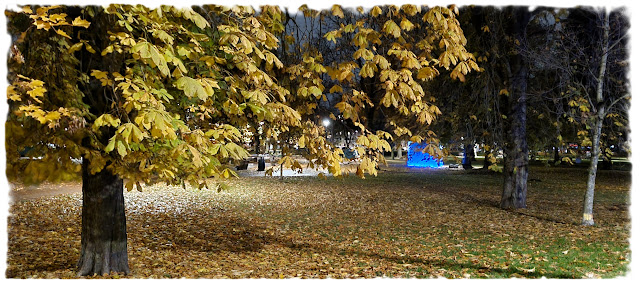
(484, 201)
(210, 234)
(455, 266)
(238, 235)
(434, 264)
(215, 233)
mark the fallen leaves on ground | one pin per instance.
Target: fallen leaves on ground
(403, 223)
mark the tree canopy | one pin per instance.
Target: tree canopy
(163, 94)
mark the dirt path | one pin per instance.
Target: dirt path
(22, 193)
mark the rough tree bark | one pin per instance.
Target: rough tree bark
(516, 167)
(104, 232)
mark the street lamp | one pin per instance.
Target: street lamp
(326, 123)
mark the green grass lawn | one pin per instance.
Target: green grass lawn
(415, 223)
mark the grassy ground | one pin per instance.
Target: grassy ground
(403, 223)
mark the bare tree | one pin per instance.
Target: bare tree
(587, 50)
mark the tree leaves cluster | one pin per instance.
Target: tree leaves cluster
(165, 92)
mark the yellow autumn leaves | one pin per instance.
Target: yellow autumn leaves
(36, 91)
(185, 81)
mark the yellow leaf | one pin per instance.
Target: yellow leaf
(337, 11)
(36, 92)
(122, 150)
(301, 141)
(62, 33)
(191, 87)
(406, 24)
(368, 70)
(363, 53)
(331, 36)
(376, 11)
(80, 22)
(583, 108)
(42, 25)
(52, 116)
(12, 94)
(427, 73)
(106, 119)
(89, 48)
(336, 89)
(197, 160)
(315, 91)
(147, 50)
(391, 28)
(111, 145)
(102, 76)
(196, 18)
(75, 47)
(363, 140)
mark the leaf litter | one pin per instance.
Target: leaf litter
(403, 223)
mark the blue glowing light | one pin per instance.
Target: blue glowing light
(415, 157)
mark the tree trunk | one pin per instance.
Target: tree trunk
(587, 212)
(472, 157)
(256, 140)
(399, 150)
(516, 167)
(104, 232)
(516, 172)
(468, 156)
(486, 163)
(556, 155)
(393, 153)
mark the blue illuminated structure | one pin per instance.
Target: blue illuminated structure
(415, 157)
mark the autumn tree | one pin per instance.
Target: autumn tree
(492, 105)
(346, 72)
(397, 49)
(146, 95)
(594, 41)
(581, 56)
(142, 95)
